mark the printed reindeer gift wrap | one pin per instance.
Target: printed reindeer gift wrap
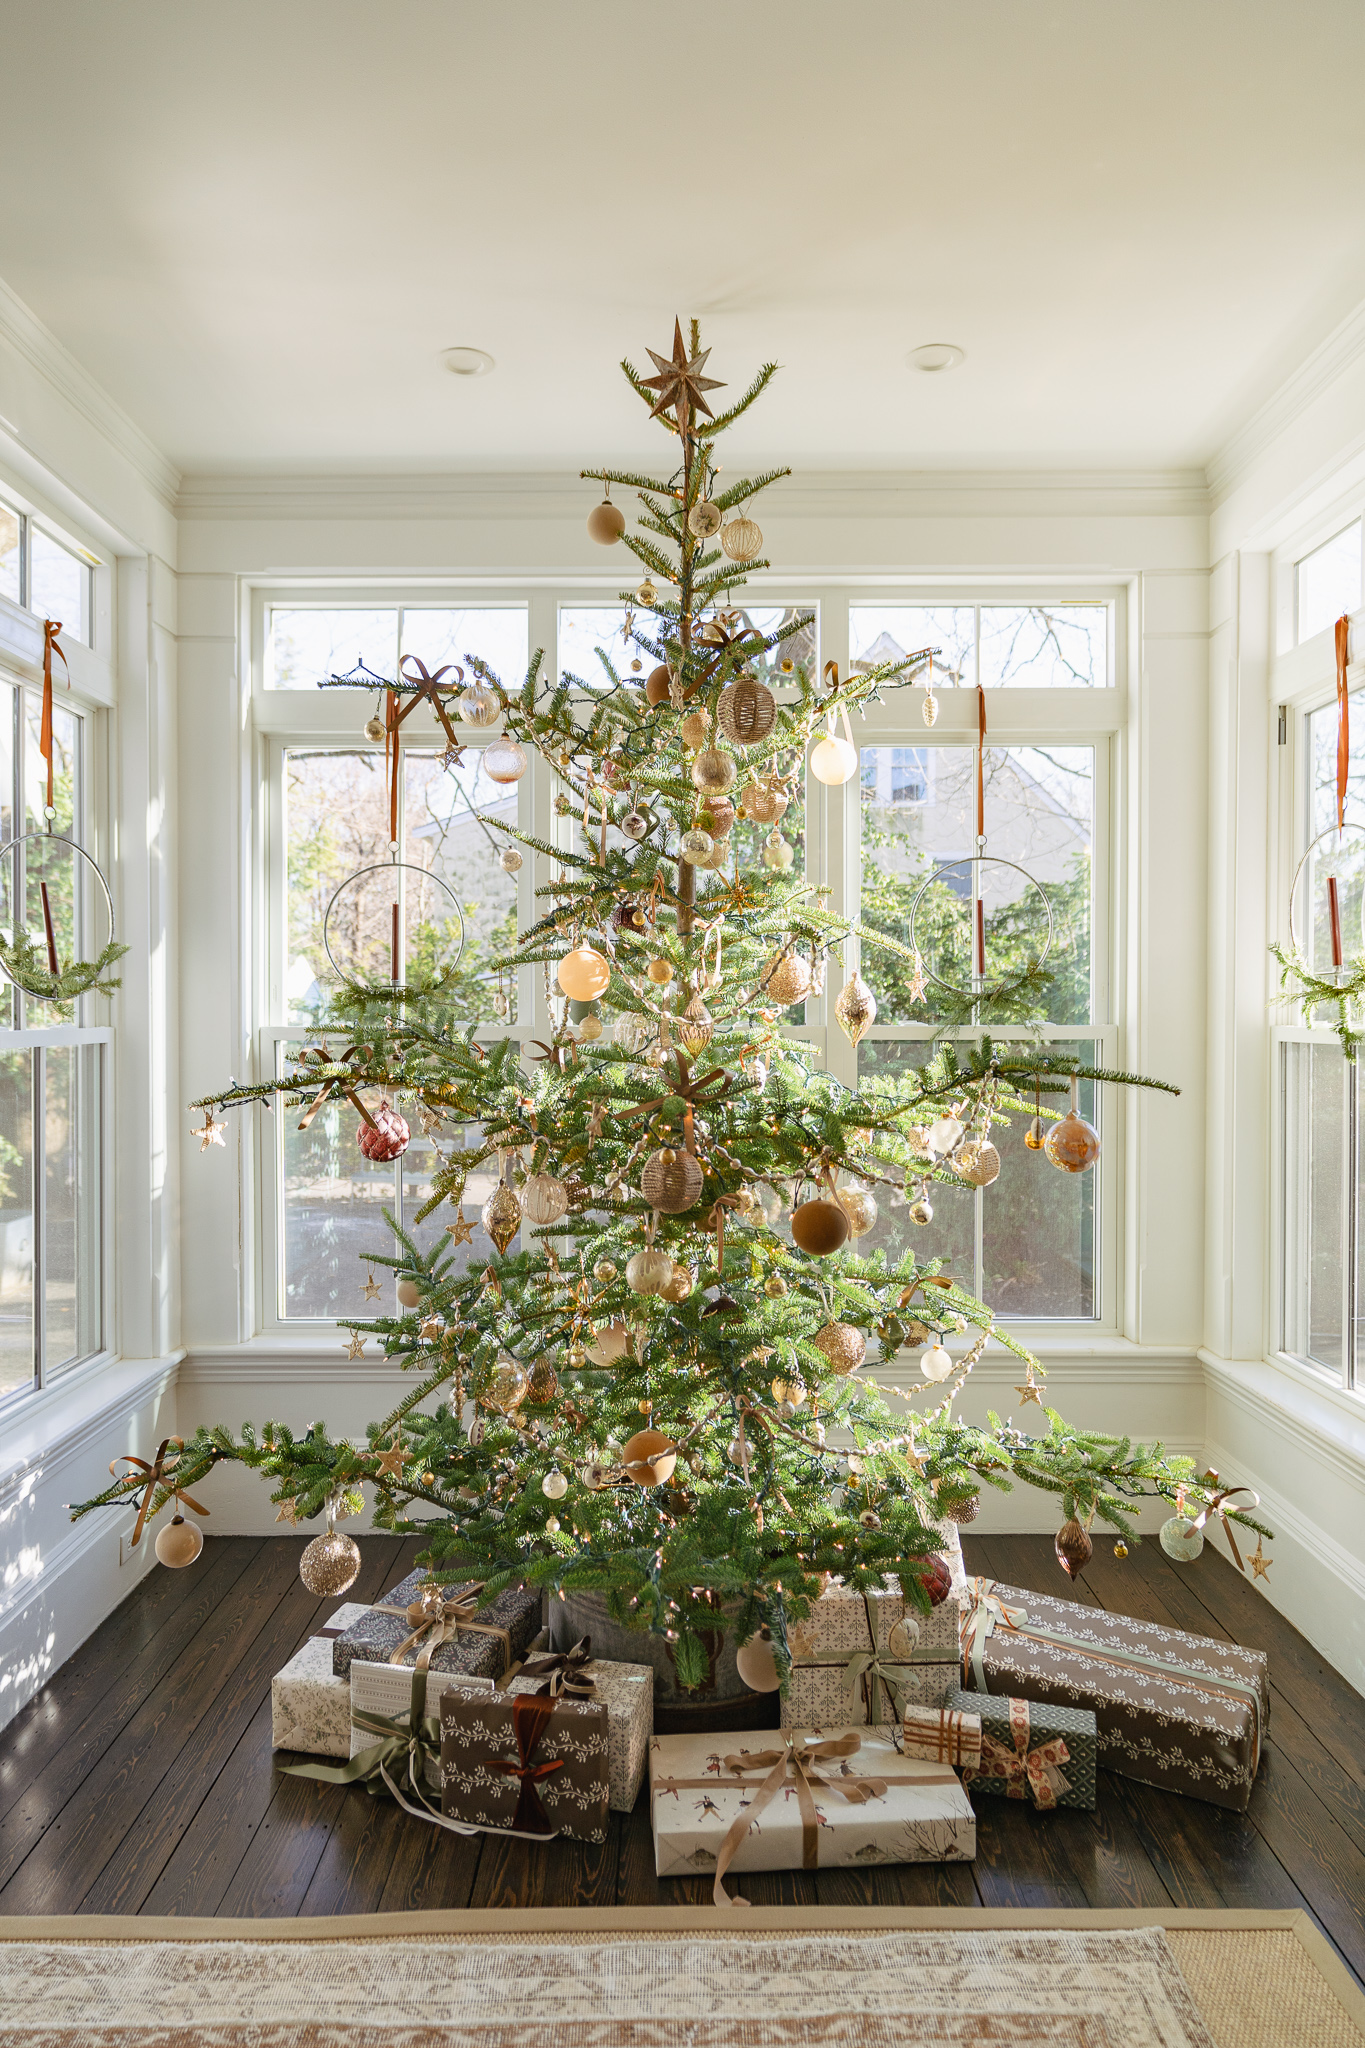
(864, 1657)
(1172, 1709)
(807, 1802)
(524, 1764)
(1044, 1754)
(443, 1627)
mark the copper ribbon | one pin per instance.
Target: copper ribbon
(1343, 634)
(979, 913)
(531, 1716)
(942, 1735)
(51, 629)
(1219, 1513)
(715, 1220)
(335, 1086)
(1028, 1773)
(793, 1765)
(150, 1476)
(564, 1671)
(431, 1625)
(695, 1092)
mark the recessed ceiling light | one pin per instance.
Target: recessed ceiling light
(468, 362)
(937, 355)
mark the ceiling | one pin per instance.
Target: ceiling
(257, 225)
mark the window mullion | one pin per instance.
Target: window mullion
(39, 1086)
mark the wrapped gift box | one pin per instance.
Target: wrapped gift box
(700, 1785)
(310, 1707)
(1175, 1710)
(383, 1692)
(565, 1739)
(1031, 1750)
(627, 1693)
(835, 1680)
(482, 1644)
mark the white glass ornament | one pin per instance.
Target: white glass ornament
(478, 705)
(936, 1364)
(509, 860)
(554, 1485)
(544, 1199)
(504, 759)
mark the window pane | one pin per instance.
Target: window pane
(1042, 647)
(1038, 1223)
(497, 634)
(80, 924)
(879, 632)
(583, 629)
(952, 1234)
(16, 1221)
(58, 584)
(305, 646)
(336, 822)
(1341, 859)
(71, 1212)
(1329, 582)
(919, 821)
(333, 1213)
(10, 537)
(419, 1163)
(444, 837)
(1326, 1130)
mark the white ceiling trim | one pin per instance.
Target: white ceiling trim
(1329, 360)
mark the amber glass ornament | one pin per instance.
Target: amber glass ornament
(660, 971)
(671, 1180)
(746, 712)
(657, 684)
(544, 1199)
(713, 772)
(679, 1284)
(1074, 1548)
(789, 1390)
(819, 1226)
(786, 980)
(649, 1457)
(1072, 1144)
(1035, 1137)
(386, 1137)
(583, 974)
(544, 1381)
(843, 1346)
(856, 1008)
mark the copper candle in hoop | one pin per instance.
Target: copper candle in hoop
(1333, 920)
(47, 927)
(393, 947)
(980, 938)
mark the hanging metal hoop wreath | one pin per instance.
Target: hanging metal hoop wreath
(88, 970)
(395, 868)
(983, 860)
(1332, 832)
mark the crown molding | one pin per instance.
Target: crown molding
(815, 494)
(1244, 448)
(42, 351)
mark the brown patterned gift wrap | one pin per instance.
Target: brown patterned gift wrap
(445, 1625)
(625, 1690)
(862, 1657)
(525, 1765)
(1181, 1711)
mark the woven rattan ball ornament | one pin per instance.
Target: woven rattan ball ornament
(606, 523)
(657, 684)
(671, 1181)
(860, 1207)
(679, 1284)
(649, 1271)
(819, 1227)
(755, 1664)
(385, 1136)
(695, 728)
(504, 759)
(649, 1457)
(375, 730)
(856, 1008)
(758, 800)
(330, 1564)
(1180, 1541)
(786, 981)
(843, 1346)
(982, 1168)
(179, 1542)
(479, 706)
(704, 520)
(713, 772)
(742, 539)
(608, 1343)
(544, 1199)
(1073, 1547)
(583, 974)
(501, 1216)
(746, 712)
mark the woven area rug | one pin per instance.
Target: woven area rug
(597, 1979)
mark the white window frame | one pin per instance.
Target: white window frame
(1016, 716)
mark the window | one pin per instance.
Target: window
(308, 643)
(1327, 582)
(1003, 646)
(53, 1065)
(44, 574)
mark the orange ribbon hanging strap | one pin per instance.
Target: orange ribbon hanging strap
(1343, 720)
(51, 630)
(981, 763)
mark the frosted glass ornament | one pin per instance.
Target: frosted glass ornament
(936, 1364)
(833, 760)
(583, 973)
(1176, 1543)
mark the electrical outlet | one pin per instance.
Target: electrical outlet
(125, 1552)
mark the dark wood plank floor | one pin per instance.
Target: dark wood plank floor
(141, 1779)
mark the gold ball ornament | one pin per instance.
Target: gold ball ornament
(509, 860)
(746, 711)
(583, 974)
(649, 1271)
(936, 1364)
(508, 1386)
(479, 705)
(789, 1390)
(330, 1564)
(679, 1284)
(649, 1457)
(604, 1272)
(843, 1346)
(409, 1293)
(756, 1666)
(375, 729)
(696, 846)
(819, 1227)
(1120, 1549)
(860, 1207)
(856, 1008)
(671, 1180)
(1072, 1144)
(179, 1542)
(983, 1168)
(660, 971)
(504, 759)
(833, 760)
(608, 1343)
(544, 1199)
(501, 1216)
(704, 519)
(713, 772)
(774, 1287)
(742, 540)
(606, 523)
(588, 1029)
(786, 981)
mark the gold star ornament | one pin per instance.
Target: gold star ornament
(680, 383)
(1259, 1562)
(286, 1513)
(390, 1464)
(211, 1132)
(1029, 1391)
(461, 1232)
(356, 1347)
(373, 1290)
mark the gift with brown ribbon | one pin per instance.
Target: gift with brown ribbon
(524, 1765)
(443, 1629)
(946, 1735)
(1024, 1747)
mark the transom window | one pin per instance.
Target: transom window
(43, 574)
(1327, 582)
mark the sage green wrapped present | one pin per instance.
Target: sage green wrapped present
(1030, 1750)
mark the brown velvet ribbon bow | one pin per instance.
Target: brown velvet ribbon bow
(564, 1671)
(427, 690)
(318, 1055)
(531, 1716)
(1217, 1511)
(433, 1620)
(699, 1091)
(149, 1477)
(794, 1766)
(1028, 1773)
(51, 629)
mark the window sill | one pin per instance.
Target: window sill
(78, 1407)
(1292, 1397)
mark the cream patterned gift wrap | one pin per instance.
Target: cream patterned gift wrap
(1181, 1711)
(805, 1802)
(310, 1707)
(863, 1657)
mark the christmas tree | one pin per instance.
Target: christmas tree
(645, 1380)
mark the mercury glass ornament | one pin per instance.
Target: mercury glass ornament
(713, 772)
(508, 1386)
(921, 1210)
(1073, 1547)
(671, 1180)
(649, 1271)
(179, 1542)
(679, 1284)
(819, 1227)
(856, 1008)
(544, 1199)
(1180, 1541)
(583, 973)
(504, 759)
(695, 1028)
(777, 853)
(649, 1457)
(604, 1272)
(775, 1286)
(860, 1207)
(375, 729)
(501, 1216)
(936, 1364)
(588, 1029)
(554, 1485)
(870, 1519)
(740, 1451)
(746, 712)
(509, 860)
(478, 705)
(330, 1564)
(982, 1168)
(742, 539)
(843, 1346)
(786, 980)
(696, 845)
(647, 593)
